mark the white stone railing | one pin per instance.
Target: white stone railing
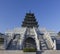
(54, 45)
(36, 39)
(22, 38)
(8, 39)
(49, 40)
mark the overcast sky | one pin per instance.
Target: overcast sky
(12, 13)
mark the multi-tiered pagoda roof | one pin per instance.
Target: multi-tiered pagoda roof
(29, 20)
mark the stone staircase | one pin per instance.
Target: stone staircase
(13, 43)
(43, 45)
(41, 42)
(46, 42)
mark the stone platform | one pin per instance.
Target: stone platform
(21, 52)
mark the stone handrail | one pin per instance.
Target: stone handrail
(7, 40)
(49, 39)
(22, 38)
(36, 39)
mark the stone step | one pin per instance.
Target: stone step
(43, 44)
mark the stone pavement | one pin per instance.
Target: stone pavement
(51, 52)
(15, 52)
(21, 52)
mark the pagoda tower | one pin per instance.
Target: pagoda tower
(29, 36)
(31, 39)
(30, 21)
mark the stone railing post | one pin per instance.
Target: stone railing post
(54, 45)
